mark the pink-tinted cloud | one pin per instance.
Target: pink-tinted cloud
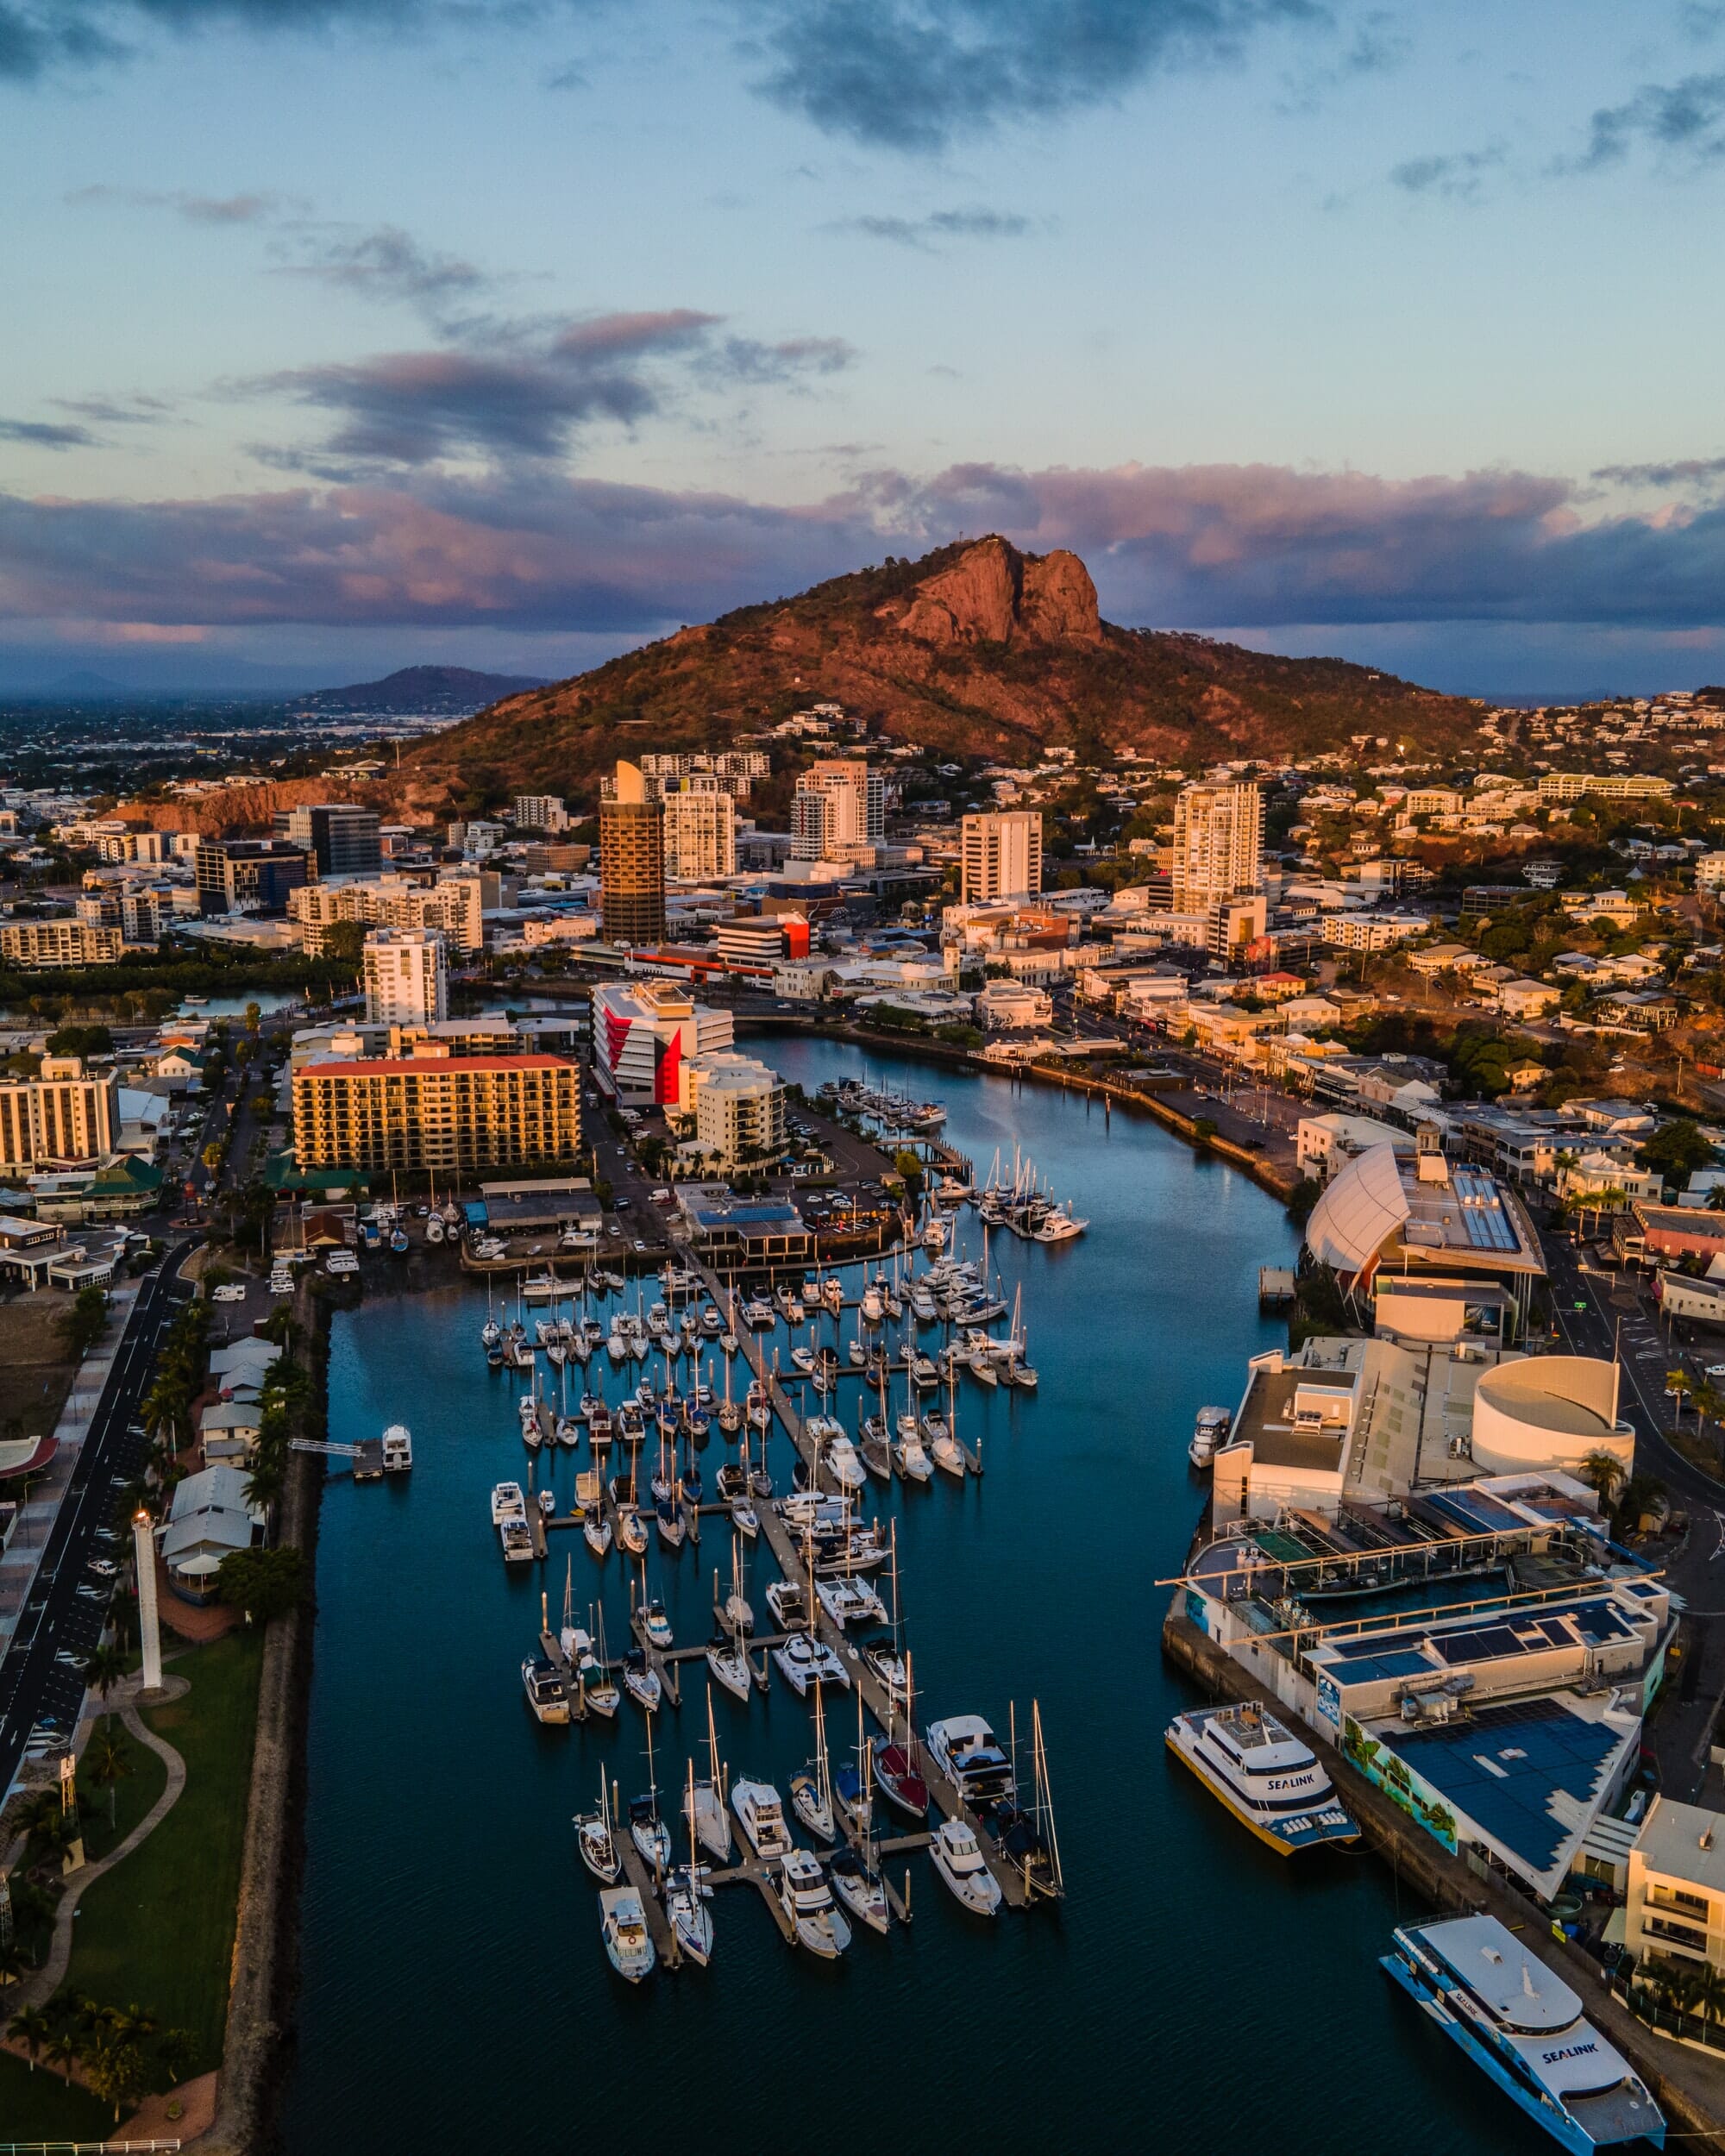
(1201, 545)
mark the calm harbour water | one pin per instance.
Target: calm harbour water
(1194, 1992)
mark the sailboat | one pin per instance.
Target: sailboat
(706, 1801)
(646, 1829)
(812, 1790)
(598, 1689)
(737, 1614)
(686, 1897)
(949, 1454)
(895, 1774)
(597, 1842)
(854, 1879)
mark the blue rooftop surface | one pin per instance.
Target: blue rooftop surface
(1504, 1765)
(744, 1216)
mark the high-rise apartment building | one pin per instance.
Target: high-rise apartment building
(1218, 841)
(343, 838)
(1000, 857)
(406, 977)
(839, 803)
(453, 1114)
(454, 904)
(62, 1114)
(645, 1035)
(541, 813)
(631, 860)
(62, 941)
(700, 829)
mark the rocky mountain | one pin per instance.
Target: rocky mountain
(977, 649)
(410, 690)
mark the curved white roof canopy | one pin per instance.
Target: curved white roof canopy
(1359, 1212)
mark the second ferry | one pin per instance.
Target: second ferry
(1521, 2022)
(1268, 1779)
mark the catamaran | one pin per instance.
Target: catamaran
(1267, 1778)
(1521, 2023)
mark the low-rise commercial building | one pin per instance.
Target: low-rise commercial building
(1674, 1906)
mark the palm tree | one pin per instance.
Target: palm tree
(102, 1671)
(1680, 1384)
(177, 2053)
(32, 2029)
(1604, 1473)
(108, 1762)
(1709, 1402)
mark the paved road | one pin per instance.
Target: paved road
(41, 1687)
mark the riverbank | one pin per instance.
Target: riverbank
(255, 2054)
(1688, 2085)
(1114, 1090)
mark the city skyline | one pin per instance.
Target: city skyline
(512, 335)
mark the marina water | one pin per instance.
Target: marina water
(1194, 1992)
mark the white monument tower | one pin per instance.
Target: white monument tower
(149, 1623)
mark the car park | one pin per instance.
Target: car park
(103, 1567)
(229, 1292)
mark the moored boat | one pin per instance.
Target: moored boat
(1523, 2026)
(1266, 1776)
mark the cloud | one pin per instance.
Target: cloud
(514, 392)
(1222, 547)
(1683, 120)
(388, 264)
(38, 434)
(924, 232)
(131, 411)
(219, 209)
(1455, 177)
(1378, 46)
(914, 74)
(1682, 471)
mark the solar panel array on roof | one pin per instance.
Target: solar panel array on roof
(1482, 1212)
(1472, 1510)
(1504, 1765)
(1495, 1637)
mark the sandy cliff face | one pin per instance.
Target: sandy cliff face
(234, 809)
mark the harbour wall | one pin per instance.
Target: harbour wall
(1688, 2085)
(265, 1973)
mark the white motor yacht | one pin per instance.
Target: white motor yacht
(1208, 1433)
(848, 1470)
(544, 1684)
(762, 1816)
(623, 1926)
(966, 1750)
(806, 1899)
(912, 1461)
(957, 1857)
(788, 1604)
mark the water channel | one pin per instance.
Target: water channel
(1195, 1992)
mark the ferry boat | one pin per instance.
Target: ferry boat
(1518, 2021)
(397, 1449)
(1268, 1779)
(1208, 1433)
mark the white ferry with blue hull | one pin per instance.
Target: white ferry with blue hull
(1521, 2022)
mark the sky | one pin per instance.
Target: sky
(345, 335)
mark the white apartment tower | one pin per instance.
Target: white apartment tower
(1218, 840)
(1000, 857)
(839, 803)
(700, 831)
(406, 977)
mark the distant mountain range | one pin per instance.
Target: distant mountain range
(454, 690)
(977, 648)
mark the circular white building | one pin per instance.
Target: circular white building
(1548, 1411)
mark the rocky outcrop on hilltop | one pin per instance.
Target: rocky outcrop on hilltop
(978, 648)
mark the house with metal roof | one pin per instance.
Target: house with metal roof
(210, 1518)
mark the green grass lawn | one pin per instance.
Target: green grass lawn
(158, 1931)
(40, 2107)
(137, 1791)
